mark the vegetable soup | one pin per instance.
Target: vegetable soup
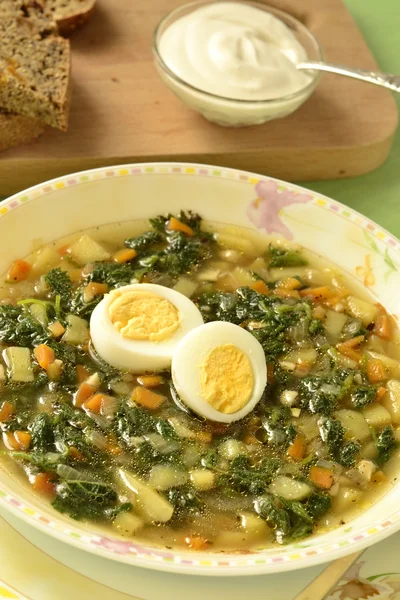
(129, 449)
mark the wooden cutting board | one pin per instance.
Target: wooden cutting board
(121, 112)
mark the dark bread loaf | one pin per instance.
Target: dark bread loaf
(69, 14)
(16, 130)
(34, 67)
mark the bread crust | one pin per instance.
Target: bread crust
(17, 129)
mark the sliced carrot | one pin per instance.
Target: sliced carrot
(379, 477)
(94, 403)
(354, 342)
(380, 393)
(284, 293)
(17, 440)
(376, 370)
(297, 449)
(204, 437)
(260, 287)
(383, 327)
(44, 355)
(319, 294)
(83, 393)
(124, 255)
(196, 542)
(94, 289)
(23, 439)
(250, 439)
(42, 483)
(56, 329)
(150, 381)
(63, 250)
(81, 373)
(113, 449)
(321, 477)
(289, 283)
(147, 398)
(18, 271)
(75, 275)
(349, 352)
(176, 225)
(6, 411)
(75, 454)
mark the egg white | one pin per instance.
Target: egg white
(139, 356)
(191, 352)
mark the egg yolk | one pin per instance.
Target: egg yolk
(226, 379)
(141, 315)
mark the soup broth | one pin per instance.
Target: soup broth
(319, 446)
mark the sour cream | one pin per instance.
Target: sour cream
(236, 51)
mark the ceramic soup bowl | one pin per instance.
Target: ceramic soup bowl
(76, 202)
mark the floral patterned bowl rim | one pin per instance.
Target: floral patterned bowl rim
(274, 206)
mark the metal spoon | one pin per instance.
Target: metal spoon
(392, 82)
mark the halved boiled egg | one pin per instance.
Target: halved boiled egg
(219, 371)
(137, 327)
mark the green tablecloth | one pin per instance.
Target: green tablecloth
(377, 195)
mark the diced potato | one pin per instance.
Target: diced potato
(347, 497)
(190, 456)
(209, 275)
(181, 429)
(308, 426)
(275, 274)
(149, 504)
(288, 397)
(242, 276)
(334, 323)
(259, 266)
(377, 415)
(127, 523)
(231, 448)
(290, 489)
(77, 331)
(47, 258)
(392, 365)
(359, 309)
(391, 400)
(202, 479)
(39, 312)
(236, 242)
(369, 451)
(2, 373)
(354, 424)
(185, 286)
(302, 355)
(367, 468)
(165, 477)
(253, 525)
(87, 250)
(19, 364)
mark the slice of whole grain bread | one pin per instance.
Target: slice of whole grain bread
(69, 14)
(17, 129)
(34, 68)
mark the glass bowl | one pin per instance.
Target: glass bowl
(227, 111)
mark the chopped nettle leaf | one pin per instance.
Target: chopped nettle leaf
(284, 257)
(385, 444)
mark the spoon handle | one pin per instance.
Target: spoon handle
(392, 82)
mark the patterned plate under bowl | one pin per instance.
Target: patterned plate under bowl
(84, 200)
